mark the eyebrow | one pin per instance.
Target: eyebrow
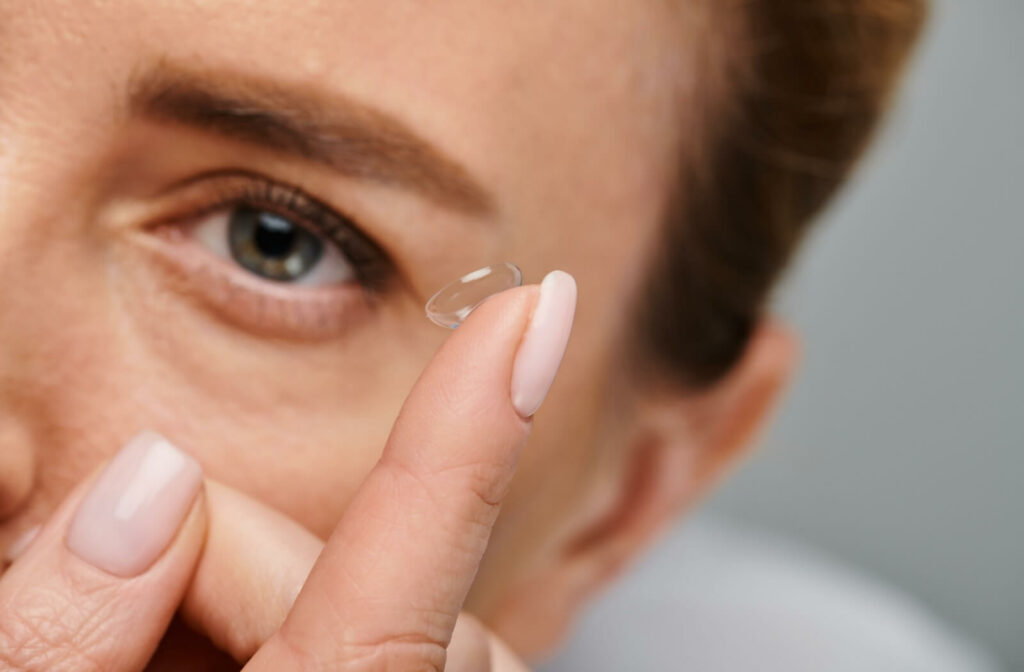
(348, 136)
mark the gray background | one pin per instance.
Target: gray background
(901, 449)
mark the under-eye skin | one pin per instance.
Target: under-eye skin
(266, 256)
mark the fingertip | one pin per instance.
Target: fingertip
(510, 309)
(136, 506)
(118, 551)
(467, 381)
(543, 345)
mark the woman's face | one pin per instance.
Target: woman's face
(409, 143)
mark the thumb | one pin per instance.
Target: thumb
(99, 585)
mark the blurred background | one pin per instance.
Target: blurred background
(900, 449)
(901, 446)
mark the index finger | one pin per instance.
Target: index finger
(389, 585)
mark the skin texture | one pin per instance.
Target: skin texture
(427, 505)
(570, 114)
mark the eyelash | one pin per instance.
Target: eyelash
(242, 299)
(371, 264)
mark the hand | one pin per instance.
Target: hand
(98, 587)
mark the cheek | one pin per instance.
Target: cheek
(96, 350)
(295, 425)
(59, 379)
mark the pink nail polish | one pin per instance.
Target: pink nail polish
(543, 345)
(135, 507)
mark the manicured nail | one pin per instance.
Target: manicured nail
(21, 544)
(136, 506)
(543, 345)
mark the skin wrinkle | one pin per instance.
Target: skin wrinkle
(47, 633)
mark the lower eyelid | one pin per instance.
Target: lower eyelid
(289, 312)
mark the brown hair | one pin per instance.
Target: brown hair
(801, 106)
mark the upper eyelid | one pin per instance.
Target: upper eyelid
(292, 200)
(272, 191)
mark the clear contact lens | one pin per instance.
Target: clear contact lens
(454, 302)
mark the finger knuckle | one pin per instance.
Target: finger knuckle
(399, 653)
(485, 482)
(414, 652)
(448, 486)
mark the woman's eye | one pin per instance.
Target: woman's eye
(273, 247)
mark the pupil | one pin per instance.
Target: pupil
(274, 237)
(271, 246)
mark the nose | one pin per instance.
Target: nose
(17, 465)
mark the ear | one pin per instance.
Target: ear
(680, 444)
(728, 419)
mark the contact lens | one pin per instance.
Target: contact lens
(455, 301)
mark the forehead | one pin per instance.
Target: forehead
(526, 61)
(312, 36)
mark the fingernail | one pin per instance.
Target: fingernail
(136, 506)
(543, 345)
(21, 544)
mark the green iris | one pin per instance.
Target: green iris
(271, 246)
